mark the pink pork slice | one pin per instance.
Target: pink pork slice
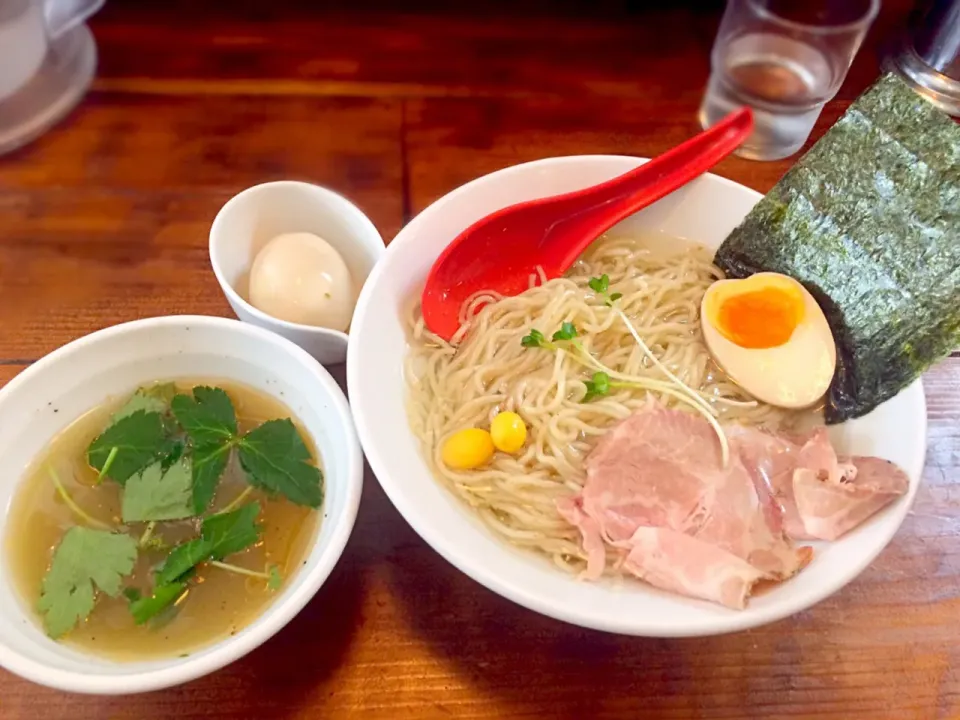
(655, 487)
(675, 561)
(832, 504)
(771, 459)
(662, 468)
(820, 496)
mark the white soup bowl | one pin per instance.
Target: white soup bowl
(705, 211)
(109, 364)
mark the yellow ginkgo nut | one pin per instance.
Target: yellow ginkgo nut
(508, 431)
(467, 449)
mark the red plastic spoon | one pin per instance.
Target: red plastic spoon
(501, 251)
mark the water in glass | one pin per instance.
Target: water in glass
(785, 81)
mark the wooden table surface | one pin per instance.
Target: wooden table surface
(105, 219)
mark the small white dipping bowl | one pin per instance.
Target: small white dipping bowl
(108, 364)
(704, 211)
(253, 217)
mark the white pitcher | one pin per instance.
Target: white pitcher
(47, 60)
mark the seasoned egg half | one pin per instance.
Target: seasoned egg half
(771, 337)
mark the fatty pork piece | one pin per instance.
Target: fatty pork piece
(658, 474)
(818, 495)
(657, 490)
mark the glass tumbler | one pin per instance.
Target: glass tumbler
(928, 56)
(785, 59)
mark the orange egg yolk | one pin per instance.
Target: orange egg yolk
(762, 318)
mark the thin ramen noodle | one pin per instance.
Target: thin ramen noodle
(485, 370)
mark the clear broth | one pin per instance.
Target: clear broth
(218, 604)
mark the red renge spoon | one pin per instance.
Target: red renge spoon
(501, 251)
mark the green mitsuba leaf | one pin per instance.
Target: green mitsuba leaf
(130, 444)
(155, 495)
(208, 417)
(221, 535)
(84, 561)
(276, 459)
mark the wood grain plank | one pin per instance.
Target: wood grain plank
(483, 51)
(9, 370)
(397, 632)
(106, 219)
(424, 49)
(452, 141)
(219, 143)
(635, 89)
(76, 260)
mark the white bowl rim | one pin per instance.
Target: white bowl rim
(235, 297)
(488, 577)
(276, 615)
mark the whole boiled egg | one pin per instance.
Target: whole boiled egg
(299, 277)
(771, 337)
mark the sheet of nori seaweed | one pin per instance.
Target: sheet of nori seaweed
(869, 221)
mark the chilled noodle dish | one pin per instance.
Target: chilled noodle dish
(662, 414)
(539, 403)
(486, 369)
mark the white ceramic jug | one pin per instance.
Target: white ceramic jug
(47, 60)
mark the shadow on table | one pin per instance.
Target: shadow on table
(284, 673)
(546, 668)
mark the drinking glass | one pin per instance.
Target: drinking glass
(928, 56)
(785, 59)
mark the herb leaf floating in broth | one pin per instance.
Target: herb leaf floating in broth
(231, 532)
(168, 453)
(144, 608)
(172, 453)
(273, 455)
(275, 458)
(276, 579)
(156, 494)
(128, 445)
(150, 399)
(83, 558)
(209, 462)
(211, 423)
(208, 417)
(182, 559)
(221, 535)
